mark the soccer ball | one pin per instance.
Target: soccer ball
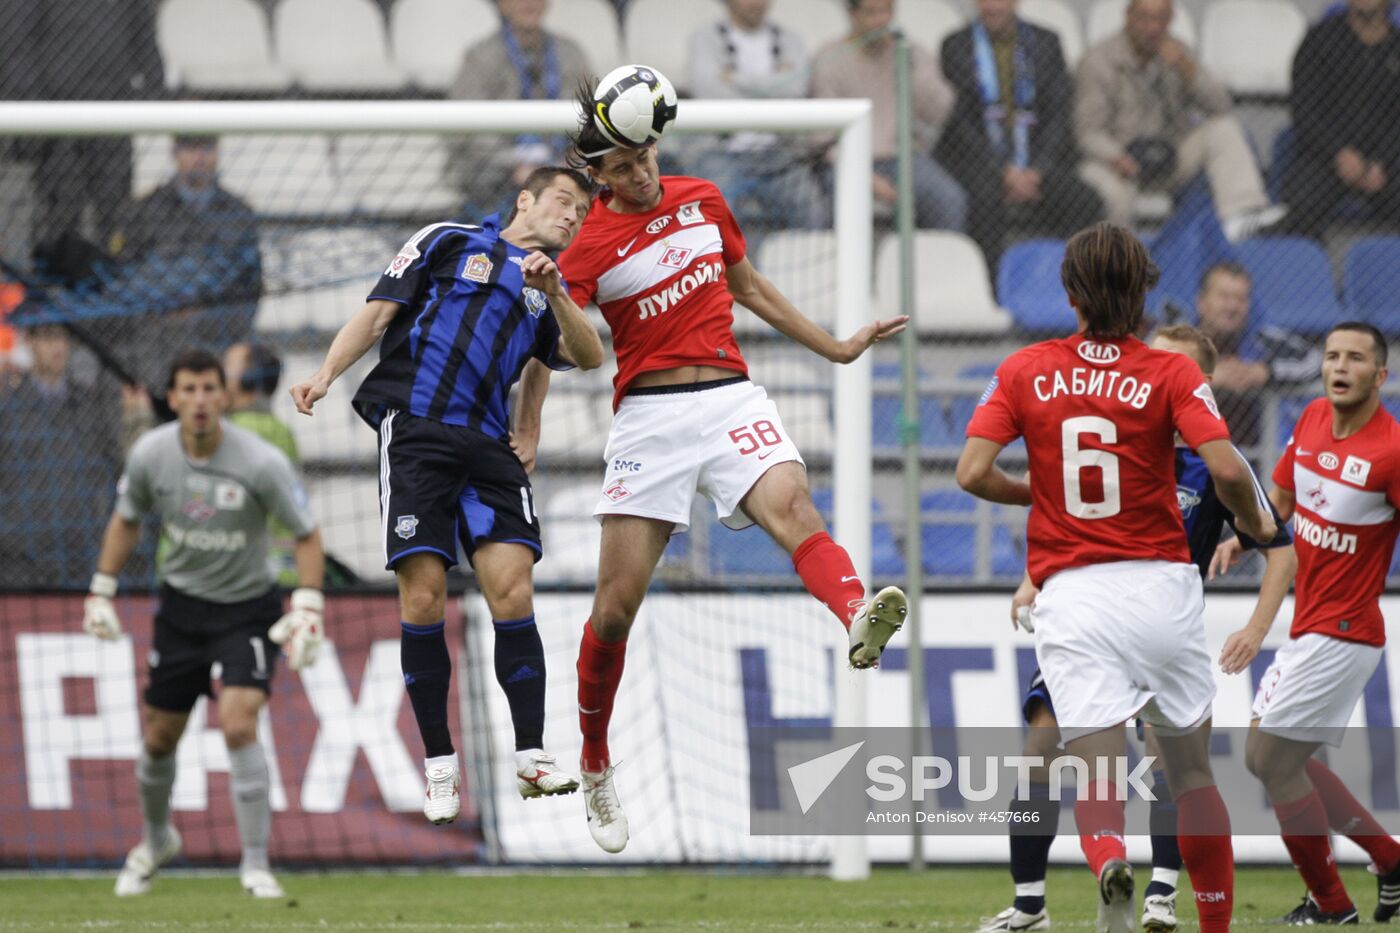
(633, 105)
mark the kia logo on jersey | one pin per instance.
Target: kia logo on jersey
(1100, 354)
(659, 224)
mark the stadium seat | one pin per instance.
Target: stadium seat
(1105, 20)
(658, 32)
(1008, 552)
(802, 263)
(886, 557)
(1028, 285)
(816, 22)
(593, 25)
(1371, 282)
(936, 428)
(1059, 17)
(428, 37)
(952, 290)
(1249, 44)
(1293, 282)
(928, 22)
(335, 45)
(395, 175)
(282, 175)
(218, 45)
(747, 553)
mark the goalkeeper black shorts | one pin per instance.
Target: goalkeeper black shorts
(193, 634)
(444, 484)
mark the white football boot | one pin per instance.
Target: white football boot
(1116, 898)
(1159, 913)
(1012, 920)
(142, 864)
(607, 824)
(537, 774)
(874, 624)
(443, 800)
(260, 883)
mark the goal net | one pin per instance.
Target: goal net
(310, 203)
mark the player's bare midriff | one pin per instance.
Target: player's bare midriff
(681, 375)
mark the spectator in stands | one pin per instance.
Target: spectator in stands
(252, 372)
(1010, 141)
(1346, 115)
(60, 50)
(183, 263)
(763, 176)
(1252, 357)
(1147, 115)
(862, 65)
(523, 61)
(60, 455)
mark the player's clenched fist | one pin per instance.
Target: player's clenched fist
(99, 614)
(539, 271)
(308, 393)
(302, 630)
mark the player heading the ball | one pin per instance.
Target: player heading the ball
(665, 261)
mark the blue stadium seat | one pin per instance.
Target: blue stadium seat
(1028, 285)
(1371, 282)
(1008, 553)
(936, 428)
(984, 370)
(1293, 281)
(950, 549)
(747, 553)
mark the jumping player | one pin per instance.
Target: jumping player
(462, 309)
(665, 261)
(214, 487)
(1339, 479)
(1205, 518)
(1118, 620)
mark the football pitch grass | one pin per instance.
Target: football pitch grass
(942, 898)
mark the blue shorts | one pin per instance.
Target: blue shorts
(1036, 692)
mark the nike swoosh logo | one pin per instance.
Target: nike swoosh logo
(589, 712)
(1301, 452)
(766, 454)
(622, 251)
(849, 579)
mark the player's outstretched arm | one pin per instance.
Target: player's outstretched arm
(1238, 491)
(525, 436)
(979, 474)
(578, 338)
(753, 290)
(354, 340)
(99, 612)
(1281, 564)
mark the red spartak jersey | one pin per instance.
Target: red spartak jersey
(1346, 522)
(659, 279)
(1099, 418)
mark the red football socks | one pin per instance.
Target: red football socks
(1347, 816)
(1203, 833)
(599, 673)
(1100, 822)
(827, 572)
(1304, 824)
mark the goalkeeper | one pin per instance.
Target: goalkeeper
(214, 486)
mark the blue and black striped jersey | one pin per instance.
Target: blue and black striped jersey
(468, 327)
(1205, 516)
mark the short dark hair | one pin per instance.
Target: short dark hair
(195, 361)
(1361, 327)
(1108, 273)
(262, 371)
(542, 177)
(1227, 268)
(1207, 355)
(589, 145)
(196, 141)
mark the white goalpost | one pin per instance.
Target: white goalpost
(347, 445)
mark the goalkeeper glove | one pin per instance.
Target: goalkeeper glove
(99, 614)
(301, 631)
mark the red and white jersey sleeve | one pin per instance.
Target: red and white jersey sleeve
(1345, 524)
(660, 279)
(1099, 420)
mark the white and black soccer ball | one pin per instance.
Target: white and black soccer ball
(633, 105)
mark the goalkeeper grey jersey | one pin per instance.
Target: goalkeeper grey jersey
(214, 515)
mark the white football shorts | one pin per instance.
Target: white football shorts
(663, 448)
(1124, 639)
(1310, 691)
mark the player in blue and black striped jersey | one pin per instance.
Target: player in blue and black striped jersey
(1205, 518)
(461, 314)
